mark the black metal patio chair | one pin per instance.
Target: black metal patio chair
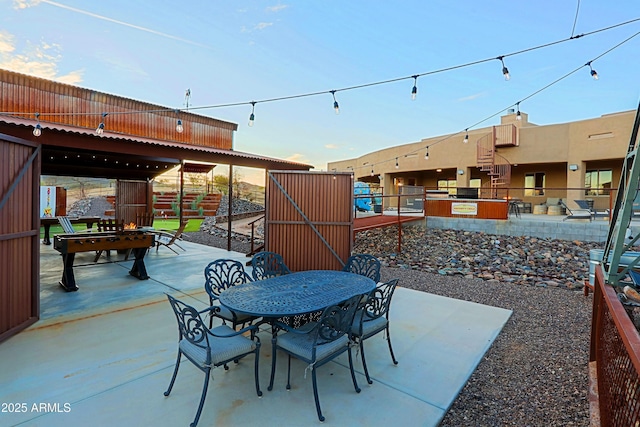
(364, 265)
(210, 348)
(219, 275)
(372, 317)
(268, 264)
(317, 343)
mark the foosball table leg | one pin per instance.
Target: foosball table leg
(68, 281)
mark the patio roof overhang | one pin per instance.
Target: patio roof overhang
(76, 151)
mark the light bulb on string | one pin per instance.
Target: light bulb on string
(505, 70)
(336, 107)
(518, 115)
(100, 128)
(466, 136)
(252, 117)
(371, 171)
(426, 154)
(37, 129)
(179, 127)
(397, 165)
(594, 73)
(414, 90)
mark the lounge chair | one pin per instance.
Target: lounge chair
(576, 213)
(583, 204)
(169, 239)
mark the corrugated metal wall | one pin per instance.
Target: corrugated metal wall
(19, 237)
(132, 198)
(26, 94)
(326, 199)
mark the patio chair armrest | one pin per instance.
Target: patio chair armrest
(251, 328)
(164, 232)
(213, 309)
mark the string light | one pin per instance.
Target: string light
(466, 136)
(397, 165)
(179, 127)
(426, 154)
(252, 117)
(594, 73)
(505, 70)
(100, 128)
(371, 171)
(414, 91)
(37, 129)
(336, 107)
(518, 115)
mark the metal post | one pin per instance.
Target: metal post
(180, 214)
(230, 207)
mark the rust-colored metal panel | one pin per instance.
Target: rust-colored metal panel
(615, 347)
(61, 201)
(26, 95)
(308, 218)
(19, 236)
(133, 198)
(486, 209)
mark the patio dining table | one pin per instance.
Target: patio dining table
(295, 294)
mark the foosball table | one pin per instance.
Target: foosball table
(136, 241)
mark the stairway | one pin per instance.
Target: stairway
(195, 205)
(497, 168)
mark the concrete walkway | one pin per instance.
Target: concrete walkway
(103, 356)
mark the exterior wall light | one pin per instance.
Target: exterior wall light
(573, 168)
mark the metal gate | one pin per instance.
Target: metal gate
(19, 235)
(309, 218)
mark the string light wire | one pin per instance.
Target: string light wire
(531, 95)
(360, 86)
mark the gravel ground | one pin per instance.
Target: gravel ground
(536, 371)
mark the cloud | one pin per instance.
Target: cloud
(263, 25)
(297, 157)
(36, 60)
(472, 97)
(332, 146)
(23, 4)
(115, 21)
(6, 43)
(277, 8)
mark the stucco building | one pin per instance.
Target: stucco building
(517, 159)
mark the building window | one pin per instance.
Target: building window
(475, 183)
(534, 184)
(448, 184)
(598, 182)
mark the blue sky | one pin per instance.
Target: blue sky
(242, 51)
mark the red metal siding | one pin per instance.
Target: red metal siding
(54, 101)
(326, 199)
(19, 227)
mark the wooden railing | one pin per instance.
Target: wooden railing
(615, 354)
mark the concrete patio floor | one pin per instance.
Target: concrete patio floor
(104, 355)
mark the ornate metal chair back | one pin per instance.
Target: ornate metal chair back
(221, 274)
(364, 265)
(268, 264)
(336, 321)
(190, 324)
(379, 301)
